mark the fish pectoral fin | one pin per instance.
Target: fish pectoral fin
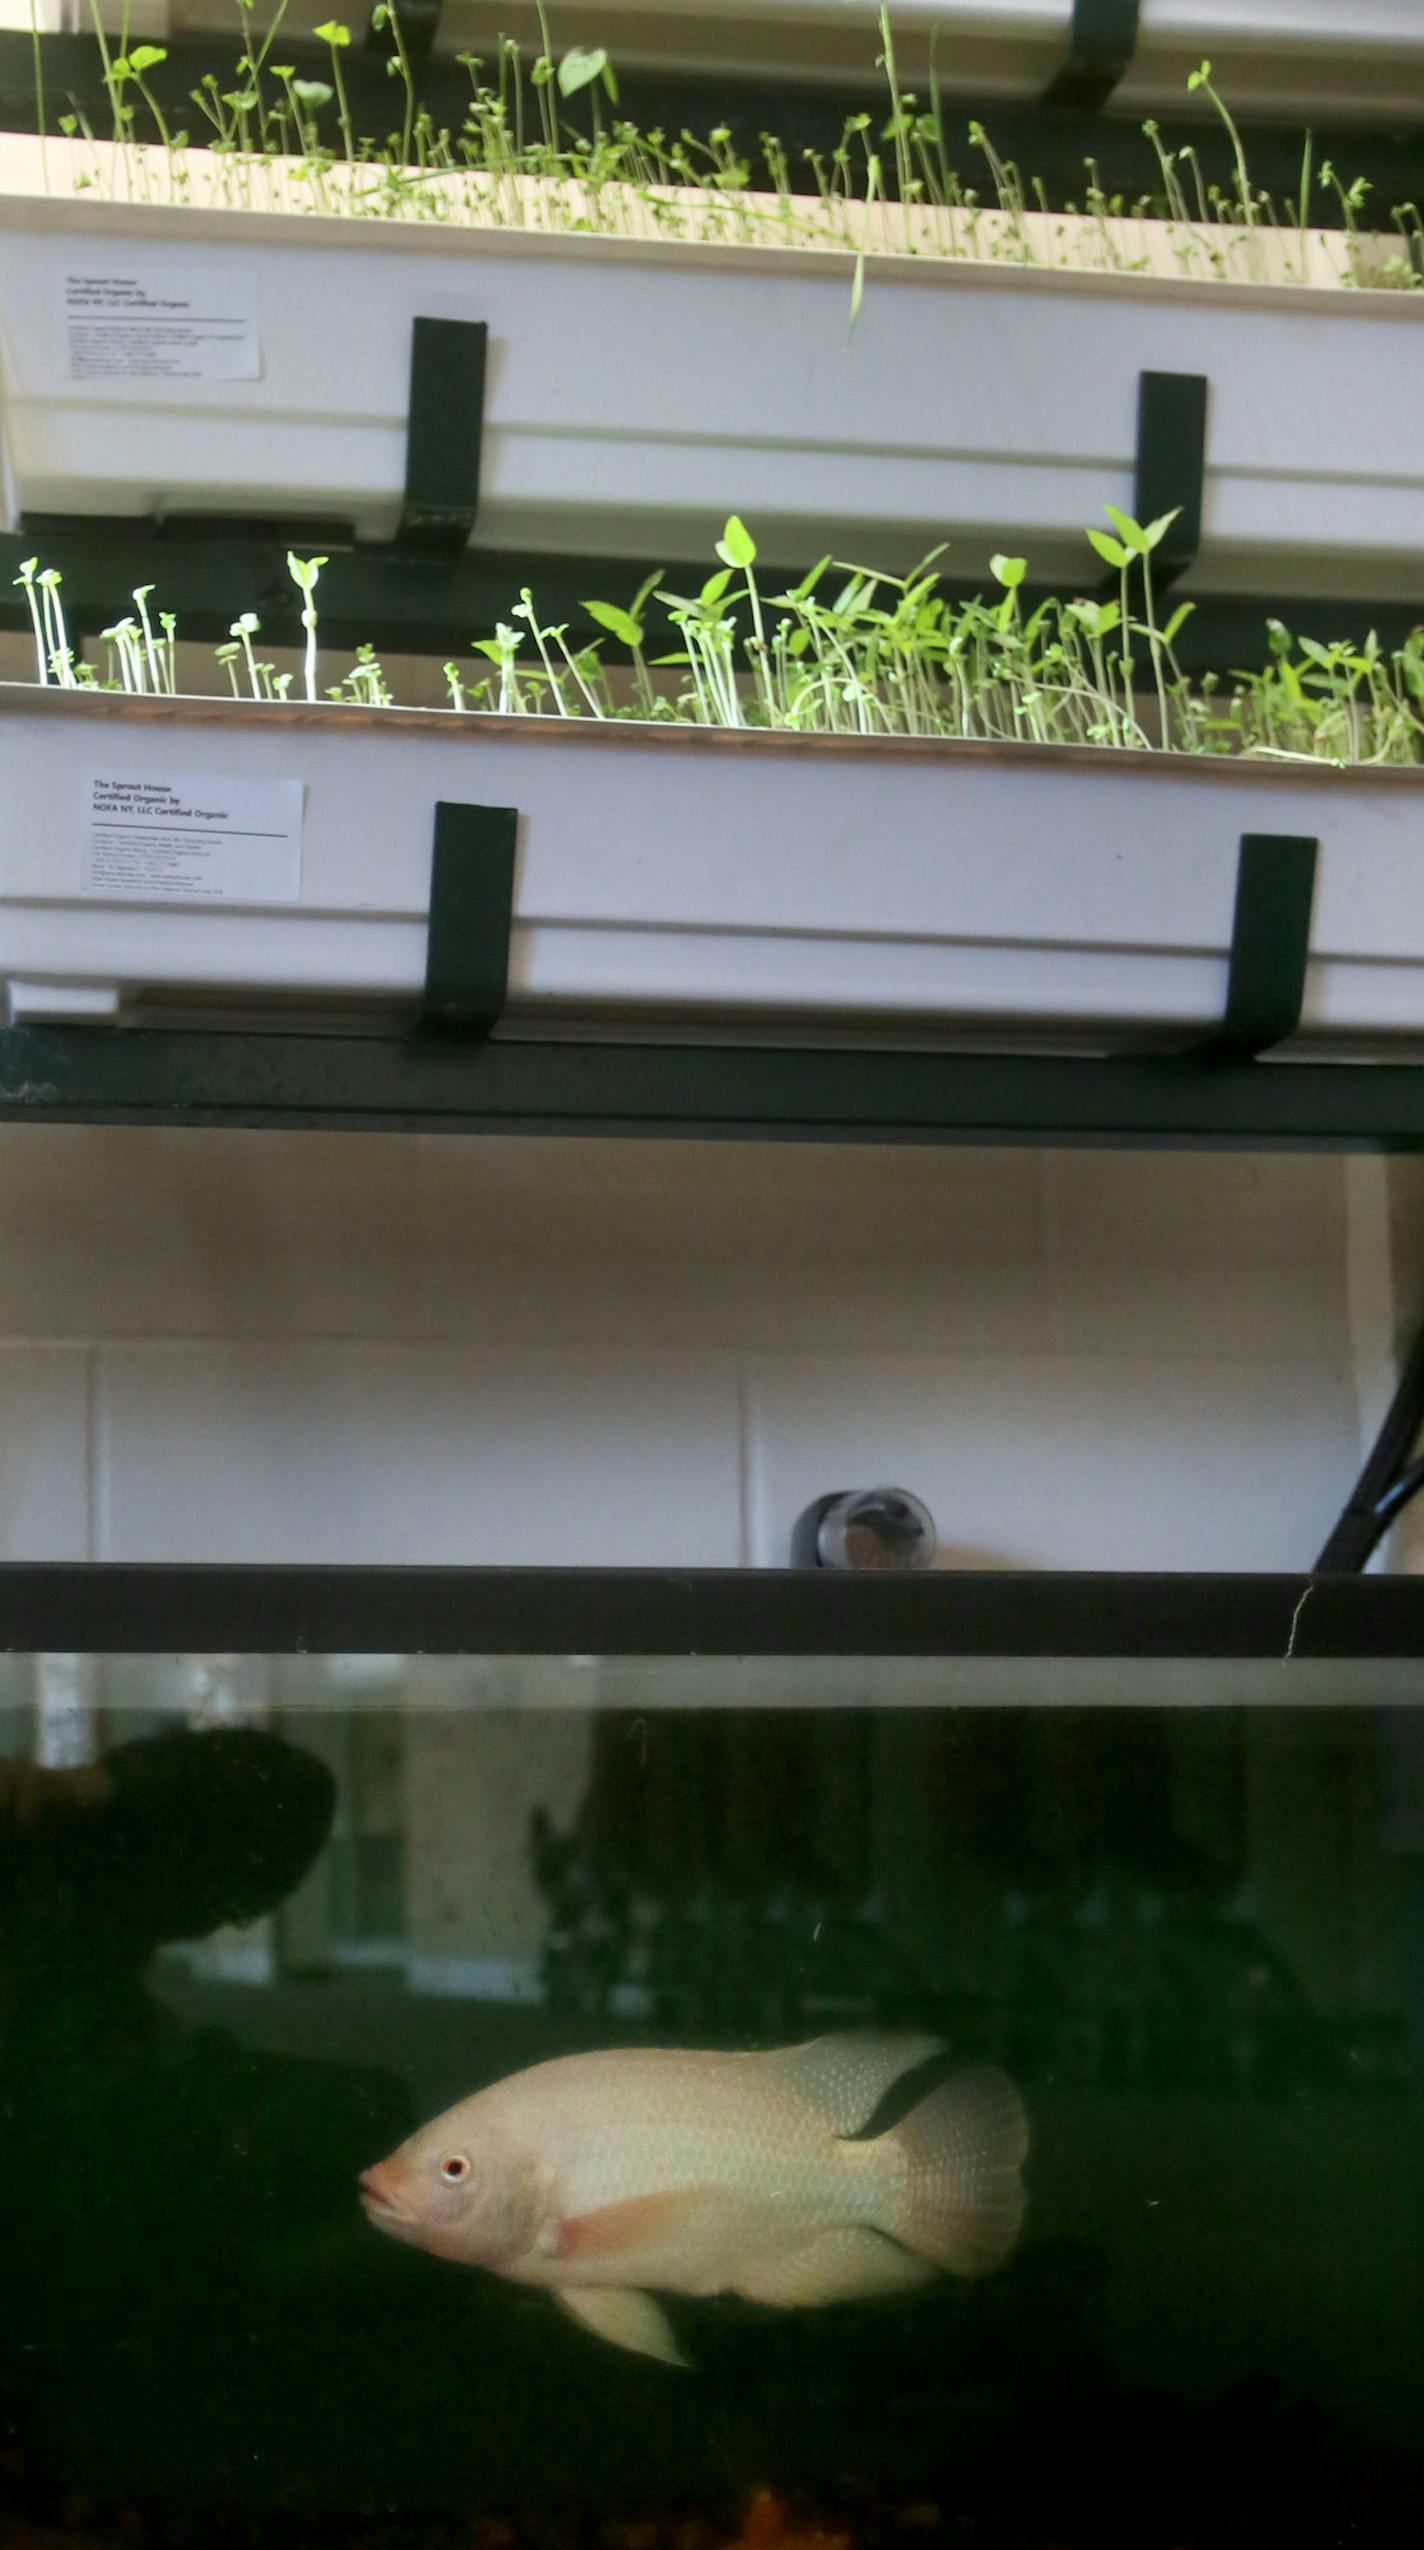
(846, 2264)
(636, 2223)
(623, 2315)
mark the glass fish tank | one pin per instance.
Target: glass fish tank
(601, 2061)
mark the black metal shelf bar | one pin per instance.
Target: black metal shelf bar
(507, 1085)
(136, 1610)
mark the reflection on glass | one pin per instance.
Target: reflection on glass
(263, 1919)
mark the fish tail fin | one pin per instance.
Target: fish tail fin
(959, 2197)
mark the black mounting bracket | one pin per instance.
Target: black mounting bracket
(1270, 945)
(471, 909)
(1102, 39)
(444, 432)
(1169, 469)
(1171, 465)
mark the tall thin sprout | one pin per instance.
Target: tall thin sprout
(304, 573)
(621, 180)
(851, 650)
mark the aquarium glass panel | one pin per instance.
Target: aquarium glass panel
(988, 2104)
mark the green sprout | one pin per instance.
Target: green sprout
(337, 38)
(304, 573)
(848, 649)
(608, 175)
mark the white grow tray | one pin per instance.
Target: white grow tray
(962, 890)
(639, 392)
(1282, 58)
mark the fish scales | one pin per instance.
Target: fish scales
(669, 2122)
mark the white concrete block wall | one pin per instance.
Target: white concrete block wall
(349, 1348)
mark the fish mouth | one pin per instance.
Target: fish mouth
(376, 2203)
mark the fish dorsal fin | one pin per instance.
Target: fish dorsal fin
(623, 2315)
(844, 2078)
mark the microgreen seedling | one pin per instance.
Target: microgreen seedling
(303, 152)
(871, 654)
(25, 582)
(304, 573)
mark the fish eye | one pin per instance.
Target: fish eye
(453, 2168)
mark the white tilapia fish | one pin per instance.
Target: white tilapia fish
(602, 2175)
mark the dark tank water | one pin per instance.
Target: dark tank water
(260, 1918)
